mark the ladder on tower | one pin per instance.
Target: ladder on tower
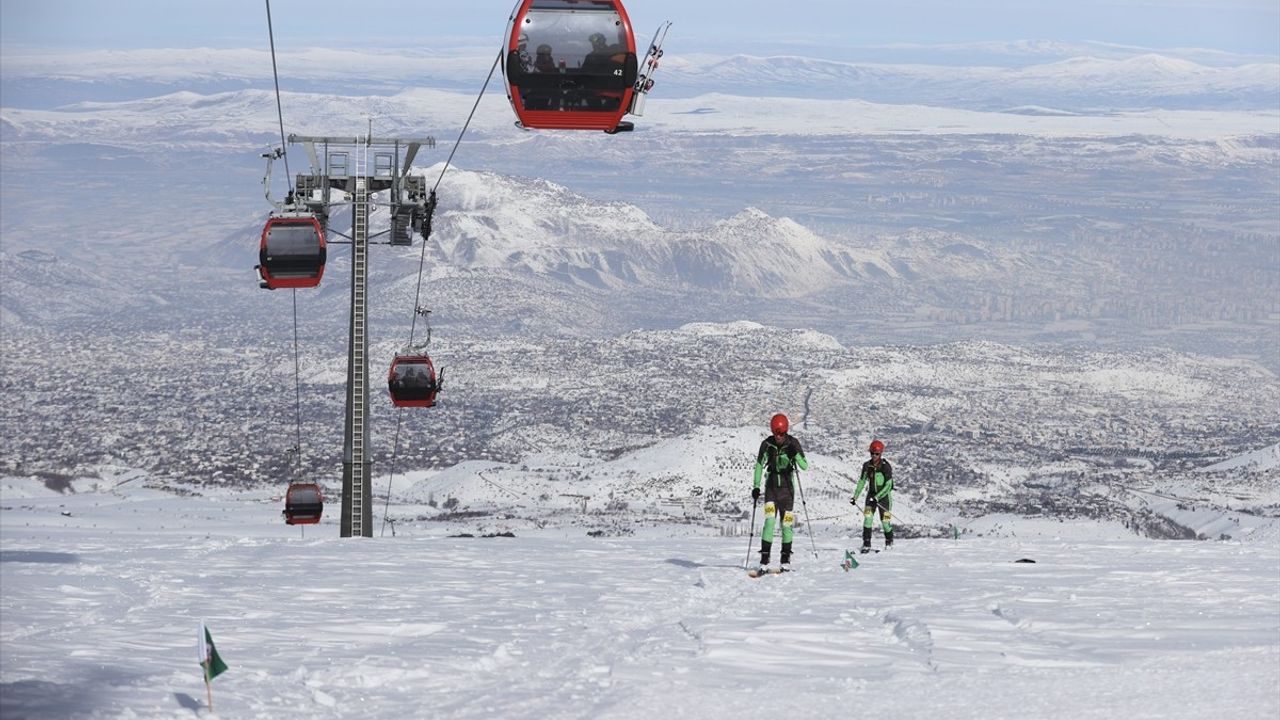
(359, 344)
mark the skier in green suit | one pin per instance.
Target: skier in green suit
(877, 475)
(779, 454)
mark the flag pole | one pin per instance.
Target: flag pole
(210, 662)
(206, 662)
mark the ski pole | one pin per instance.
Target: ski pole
(808, 524)
(751, 536)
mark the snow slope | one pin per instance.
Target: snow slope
(103, 591)
(1267, 458)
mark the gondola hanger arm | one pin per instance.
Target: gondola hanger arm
(271, 157)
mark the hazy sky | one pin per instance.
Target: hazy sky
(1246, 26)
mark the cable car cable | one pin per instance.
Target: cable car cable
(422, 261)
(417, 295)
(467, 124)
(386, 507)
(297, 383)
(297, 363)
(297, 374)
(279, 111)
(395, 445)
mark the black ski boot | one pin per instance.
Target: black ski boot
(766, 549)
(786, 556)
(866, 539)
(888, 539)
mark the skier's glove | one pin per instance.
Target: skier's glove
(755, 494)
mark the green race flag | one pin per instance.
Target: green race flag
(209, 659)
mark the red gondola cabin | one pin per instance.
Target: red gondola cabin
(292, 252)
(303, 504)
(412, 381)
(571, 64)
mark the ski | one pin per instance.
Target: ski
(761, 571)
(648, 66)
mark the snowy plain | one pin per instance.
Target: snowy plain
(104, 589)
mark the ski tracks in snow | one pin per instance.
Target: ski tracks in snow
(556, 627)
(915, 635)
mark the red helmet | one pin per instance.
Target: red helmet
(779, 424)
(877, 447)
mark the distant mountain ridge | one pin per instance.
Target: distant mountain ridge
(492, 221)
(1044, 73)
(1148, 80)
(245, 121)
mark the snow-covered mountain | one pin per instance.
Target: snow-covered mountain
(245, 120)
(1147, 80)
(515, 224)
(1044, 74)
